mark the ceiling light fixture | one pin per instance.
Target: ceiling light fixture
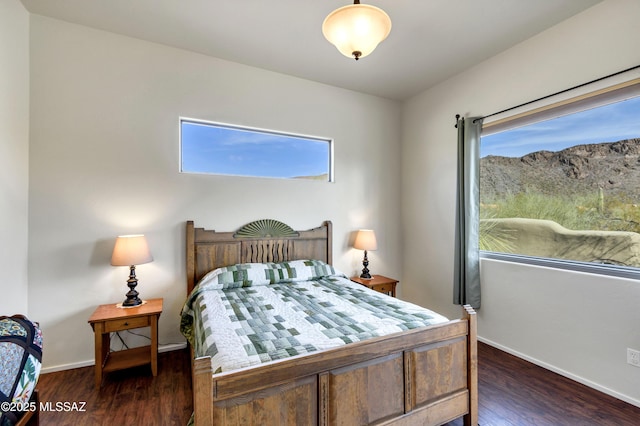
(356, 29)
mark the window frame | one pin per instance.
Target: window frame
(609, 92)
(329, 141)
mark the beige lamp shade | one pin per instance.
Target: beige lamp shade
(357, 29)
(131, 250)
(365, 240)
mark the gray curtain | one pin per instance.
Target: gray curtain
(466, 286)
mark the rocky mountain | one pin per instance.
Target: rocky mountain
(578, 170)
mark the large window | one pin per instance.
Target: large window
(224, 149)
(563, 183)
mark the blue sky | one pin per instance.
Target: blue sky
(232, 151)
(609, 123)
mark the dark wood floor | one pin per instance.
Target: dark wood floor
(512, 392)
(127, 397)
(515, 392)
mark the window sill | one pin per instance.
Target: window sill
(567, 265)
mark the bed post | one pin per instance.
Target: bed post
(469, 314)
(191, 258)
(329, 230)
(202, 392)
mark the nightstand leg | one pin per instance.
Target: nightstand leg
(154, 345)
(101, 351)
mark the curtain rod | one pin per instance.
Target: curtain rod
(554, 94)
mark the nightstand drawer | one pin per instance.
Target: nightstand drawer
(126, 323)
(383, 288)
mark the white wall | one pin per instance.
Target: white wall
(14, 156)
(104, 162)
(577, 324)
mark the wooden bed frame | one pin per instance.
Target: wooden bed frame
(425, 376)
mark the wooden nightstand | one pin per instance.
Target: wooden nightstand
(108, 319)
(379, 283)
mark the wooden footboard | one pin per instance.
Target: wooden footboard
(426, 376)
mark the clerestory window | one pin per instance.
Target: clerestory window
(224, 149)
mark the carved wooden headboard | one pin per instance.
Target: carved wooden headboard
(264, 240)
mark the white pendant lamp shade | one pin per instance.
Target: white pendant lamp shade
(356, 29)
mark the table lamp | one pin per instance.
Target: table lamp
(131, 250)
(365, 240)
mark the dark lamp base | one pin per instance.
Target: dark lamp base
(134, 301)
(365, 275)
(132, 295)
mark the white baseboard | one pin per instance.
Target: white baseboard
(562, 372)
(172, 347)
(62, 367)
(70, 366)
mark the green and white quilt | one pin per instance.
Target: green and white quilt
(248, 314)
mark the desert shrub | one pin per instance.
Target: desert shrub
(579, 213)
